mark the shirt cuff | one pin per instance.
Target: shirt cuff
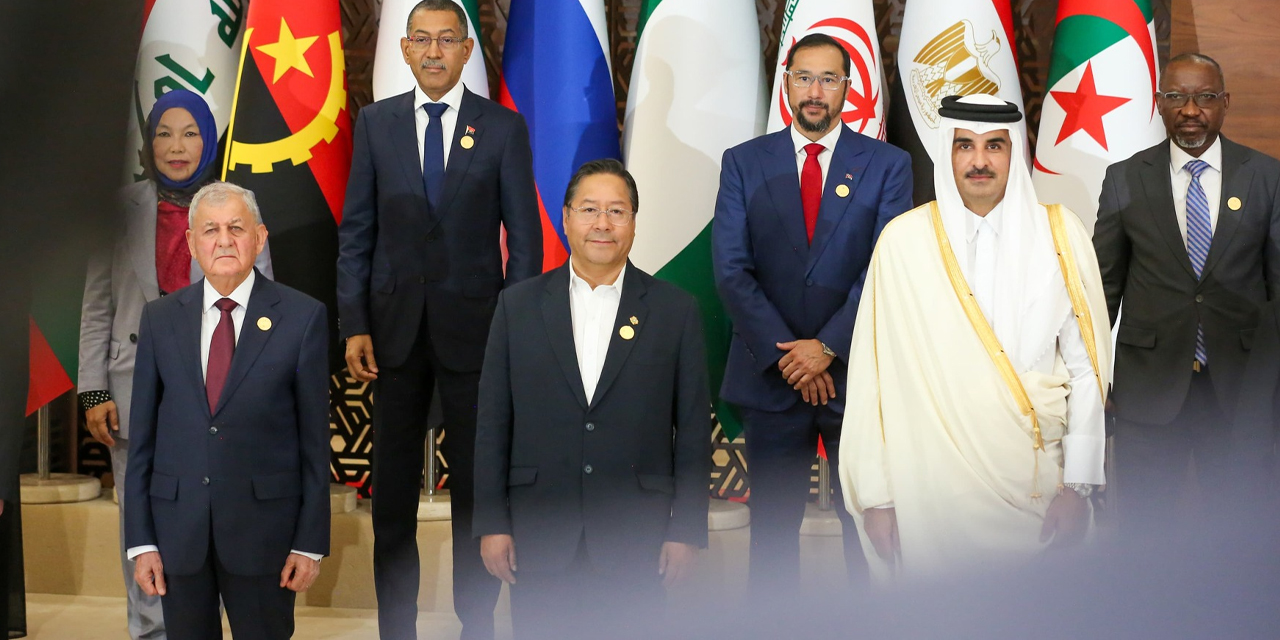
(313, 556)
(134, 552)
(887, 505)
(91, 399)
(1083, 458)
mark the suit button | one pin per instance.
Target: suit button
(422, 279)
(587, 469)
(213, 431)
(1199, 298)
(591, 426)
(431, 237)
(205, 481)
(133, 337)
(808, 283)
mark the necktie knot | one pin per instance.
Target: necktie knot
(435, 109)
(814, 149)
(1196, 167)
(225, 305)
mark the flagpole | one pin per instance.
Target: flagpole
(42, 442)
(46, 487)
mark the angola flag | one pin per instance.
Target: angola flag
(289, 140)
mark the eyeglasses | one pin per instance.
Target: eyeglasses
(447, 43)
(1203, 100)
(801, 80)
(617, 217)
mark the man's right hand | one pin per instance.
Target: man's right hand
(102, 420)
(819, 390)
(881, 526)
(499, 554)
(360, 361)
(148, 572)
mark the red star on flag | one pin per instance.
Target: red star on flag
(1084, 109)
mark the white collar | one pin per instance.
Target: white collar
(453, 97)
(994, 218)
(828, 141)
(240, 295)
(576, 281)
(1178, 158)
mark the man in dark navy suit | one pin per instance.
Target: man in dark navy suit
(796, 218)
(436, 173)
(228, 481)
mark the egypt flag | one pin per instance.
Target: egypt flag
(853, 24)
(948, 47)
(555, 68)
(391, 76)
(697, 88)
(1100, 107)
(290, 138)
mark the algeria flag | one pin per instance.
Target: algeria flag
(853, 24)
(697, 88)
(1100, 107)
(392, 77)
(185, 45)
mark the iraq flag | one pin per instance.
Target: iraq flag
(289, 140)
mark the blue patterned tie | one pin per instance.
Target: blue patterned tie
(1199, 235)
(433, 152)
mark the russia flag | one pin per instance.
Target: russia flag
(556, 73)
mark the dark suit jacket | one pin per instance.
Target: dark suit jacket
(1143, 258)
(397, 257)
(774, 284)
(256, 470)
(629, 469)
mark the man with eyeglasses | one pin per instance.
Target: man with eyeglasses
(796, 218)
(437, 173)
(593, 440)
(1188, 240)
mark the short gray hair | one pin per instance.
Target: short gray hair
(217, 193)
(438, 5)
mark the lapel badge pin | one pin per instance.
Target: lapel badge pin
(848, 176)
(627, 332)
(1234, 203)
(842, 191)
(467, 142)
(264, 323)
(634, 320)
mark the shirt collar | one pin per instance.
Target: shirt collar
(973, 221)
(828, 141)
(453, 97)
(1178, 158)
(576, 283)
(240, 295)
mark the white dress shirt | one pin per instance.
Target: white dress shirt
(448, 121)
(593, 312)
(828, 143)
(983, 237)
(1211, 180)
(209, 318)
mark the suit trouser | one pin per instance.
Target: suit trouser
(146, 616)
(583, 601)
(780, 451)
(258, 608)
(402, 402)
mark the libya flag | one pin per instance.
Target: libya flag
(289, 140)
(1100, 107)
(391, 76)
(697, 88)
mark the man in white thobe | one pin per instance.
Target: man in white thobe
(974, 427)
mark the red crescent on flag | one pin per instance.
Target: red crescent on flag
(1125, 15)
(1042, 168)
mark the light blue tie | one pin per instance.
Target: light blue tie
(1199, 235)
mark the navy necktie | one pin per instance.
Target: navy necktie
(433, 152)
(1199, 236)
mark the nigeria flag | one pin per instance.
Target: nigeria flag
(1100, 107)
(697, 88)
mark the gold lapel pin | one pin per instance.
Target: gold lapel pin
(634, 320)
(264, 323)
(627, 332)
(467, 142)
(1234, 203)
(842, 191)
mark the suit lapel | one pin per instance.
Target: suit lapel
(630, 306)
(404, 138)
(188, 332)
(141, 225)
(1159, 195)
(1236, 176)
(783, 182)
(847, 159)
(558, 319)
(262, 304)
(470, 113)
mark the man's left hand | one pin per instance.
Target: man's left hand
(1067, 519)
(299, 573)
(676, 562)
(803, 362)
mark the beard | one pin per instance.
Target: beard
(1191, 142)
(820, 125)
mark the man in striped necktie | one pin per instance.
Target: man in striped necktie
(1188, 238)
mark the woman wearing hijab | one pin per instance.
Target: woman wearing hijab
(149, 258)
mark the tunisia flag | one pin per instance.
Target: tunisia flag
(289, 140)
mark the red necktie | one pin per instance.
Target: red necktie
(221, 347)
(811, 187)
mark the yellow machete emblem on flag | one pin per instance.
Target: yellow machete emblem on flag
(953, 64)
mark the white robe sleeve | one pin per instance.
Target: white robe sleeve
(1084, 445)
(863, 473)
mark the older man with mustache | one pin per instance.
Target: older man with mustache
(1188, 240)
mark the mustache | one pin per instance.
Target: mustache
(433, 64)
(815, 103)
(984, 173)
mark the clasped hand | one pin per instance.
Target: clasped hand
(804, 367)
